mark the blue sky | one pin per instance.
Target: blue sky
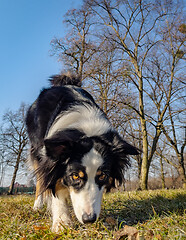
(26, 29)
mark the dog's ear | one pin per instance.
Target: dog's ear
(120, 150)
(61, 143)
(120, 146)
(55, 147)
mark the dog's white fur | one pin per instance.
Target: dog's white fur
(59, 209)
(85, 118)
(38, 203)
(88, 200)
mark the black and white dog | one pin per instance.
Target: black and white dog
(74, 150)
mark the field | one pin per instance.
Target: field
(129, 215)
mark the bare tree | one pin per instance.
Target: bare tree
(134, 26)
(2, 157)
(178, 146)
(176, 34)
(77, 48)
(170, 72)
(14, 140)
(123, 51)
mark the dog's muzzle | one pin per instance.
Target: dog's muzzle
(89, 218)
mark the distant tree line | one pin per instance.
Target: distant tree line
(17, 190)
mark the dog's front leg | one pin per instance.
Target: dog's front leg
(60, 213)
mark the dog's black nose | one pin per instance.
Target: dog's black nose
(89, 218)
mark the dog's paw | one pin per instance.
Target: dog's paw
(59, 226)
(38, 204)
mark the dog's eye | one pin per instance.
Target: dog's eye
(81, 174)
(102, 177)
(78, 176)
(75, 176)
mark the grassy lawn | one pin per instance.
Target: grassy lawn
(150, 214)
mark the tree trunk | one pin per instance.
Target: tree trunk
(145, 162)
(144, 174)
(162, 174)
(11, 188)
(181, 171)
(139, 161)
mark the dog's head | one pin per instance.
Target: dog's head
(86, 166)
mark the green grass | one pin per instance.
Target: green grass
(155, 214)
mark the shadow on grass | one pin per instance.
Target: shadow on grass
(133, 211)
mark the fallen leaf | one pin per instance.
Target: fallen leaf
(130, 232)
(39, 227)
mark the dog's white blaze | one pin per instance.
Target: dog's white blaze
(88, 200)
(86, 118)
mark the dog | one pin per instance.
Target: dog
(75, 151)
